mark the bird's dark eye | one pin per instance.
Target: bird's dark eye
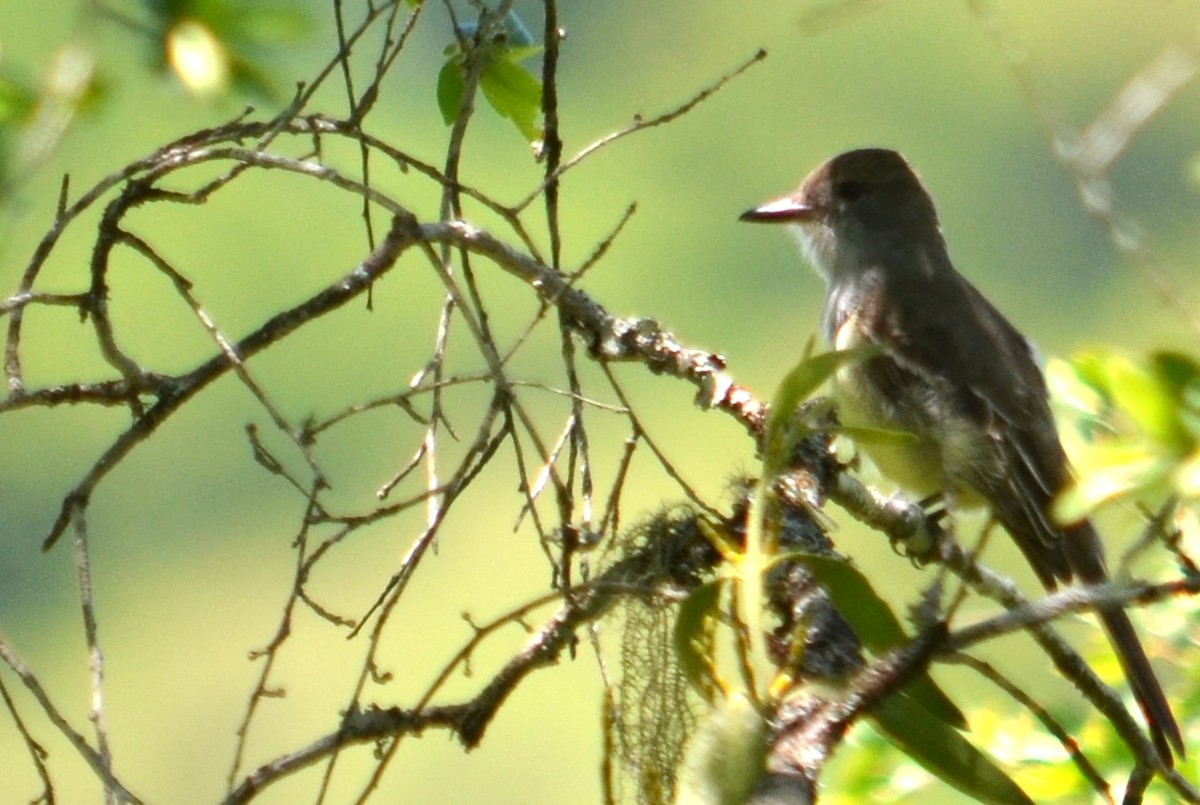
(849, 190)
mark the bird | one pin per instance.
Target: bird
(948, 369)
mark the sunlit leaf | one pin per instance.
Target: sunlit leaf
(1141, 394)
(1040, 763)
(1111, 471)
(214, 46)
(1181, 374)
(1186, 477)
(1149, 446)
(1073, 388)
(1083, 409)
(1088, 370)
(516, 54)
(198, 58)
(514, 93)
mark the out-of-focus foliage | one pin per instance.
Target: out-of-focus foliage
(217, 46)
(1134, 427)
(212, 47)
(726, 755)
(35, 115)
(871, 769)
(511, 90)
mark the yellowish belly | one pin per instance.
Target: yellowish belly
(920, 456)
(912, 462)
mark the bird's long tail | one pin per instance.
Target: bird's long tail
(1149, 694)
(1086, 556)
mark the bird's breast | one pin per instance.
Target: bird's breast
(901, 420)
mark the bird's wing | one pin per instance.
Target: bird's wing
(1023, 442)
(948, 345)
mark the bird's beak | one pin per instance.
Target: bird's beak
(787, 210)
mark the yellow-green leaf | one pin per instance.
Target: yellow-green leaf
(1140, 394)
(878, 436)
(797, 386)
(1110, 471)
(514, 93)
(693, 635)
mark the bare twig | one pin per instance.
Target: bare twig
(95, 760)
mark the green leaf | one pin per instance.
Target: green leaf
(800, 384)
(944, 752)
(1082, 409)
(1088, 368)
(514, 93)
(1148, 440)
(852, 595)
(1180, 371)
(1142, 395)
(451, 88)
(876, 625)
(781, 432)
(693, 635)
(516, 54)
(878, 436)
(1181, 374)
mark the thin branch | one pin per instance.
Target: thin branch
(640, 124)
(93, 758)
(187, 386)
(1019, 694)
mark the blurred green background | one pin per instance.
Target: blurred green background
(191, 539)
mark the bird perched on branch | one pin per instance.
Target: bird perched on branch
(951, 371)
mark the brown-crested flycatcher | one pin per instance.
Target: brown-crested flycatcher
(953, 373)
